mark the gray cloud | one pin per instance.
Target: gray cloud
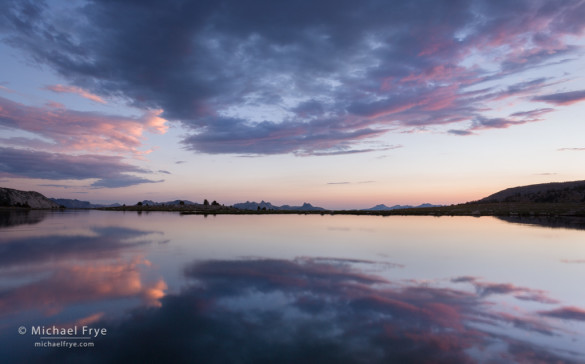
(460, 132)
(122, 181)
(109, 170)
(566, 313)
(517, 118)
(228, 135)
(309, 77)
(562, 98)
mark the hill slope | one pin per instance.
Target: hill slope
(16, 198)
(558, 192)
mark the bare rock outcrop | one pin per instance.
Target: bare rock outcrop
(28, 199)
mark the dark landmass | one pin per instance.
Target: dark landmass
(10, 198)
(383, 207)
(255, 206)
(490, 209)
(73, 204)
(558, 192)
(77, 204)
(168, 203)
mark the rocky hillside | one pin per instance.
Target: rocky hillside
(560, 192)
(28, 199)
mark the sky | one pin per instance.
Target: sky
(336, 103)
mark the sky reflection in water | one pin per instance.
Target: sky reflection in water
(325, 289)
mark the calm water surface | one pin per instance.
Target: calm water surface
(289, 289)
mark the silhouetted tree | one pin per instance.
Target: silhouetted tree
(139, 204)
(182, 203)
(214, 203)
(205, 202)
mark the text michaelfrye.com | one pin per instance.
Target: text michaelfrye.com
(64, 337)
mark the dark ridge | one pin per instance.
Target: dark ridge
(558, 192)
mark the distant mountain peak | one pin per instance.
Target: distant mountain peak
(263, 204)
(383, 207)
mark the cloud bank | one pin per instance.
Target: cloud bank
(309, 77)
(62, 130)
(109, 171)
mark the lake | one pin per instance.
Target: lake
(104, 286)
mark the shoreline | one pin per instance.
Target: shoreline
(467, 209)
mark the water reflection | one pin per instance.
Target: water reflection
(21, 217)
(567, 222)
(74, 284)
(66, 272)
(399, 289)
(325, 310)
(96, 243)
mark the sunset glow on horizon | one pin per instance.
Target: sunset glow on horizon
(339, 104)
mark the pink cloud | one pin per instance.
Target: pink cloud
(485, 289)
(443, 72)
(73, 131)
(55, 105)
(398, 67)
(76, 90)
(441, 98)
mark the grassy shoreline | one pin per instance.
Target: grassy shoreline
(468, 209)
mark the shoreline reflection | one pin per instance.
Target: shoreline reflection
(10, 218)
(554, 222)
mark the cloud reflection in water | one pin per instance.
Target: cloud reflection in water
(325, 310)
(65, 280)
(76, 283)
(104, 242)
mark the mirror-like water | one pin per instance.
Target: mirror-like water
(289, 288)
